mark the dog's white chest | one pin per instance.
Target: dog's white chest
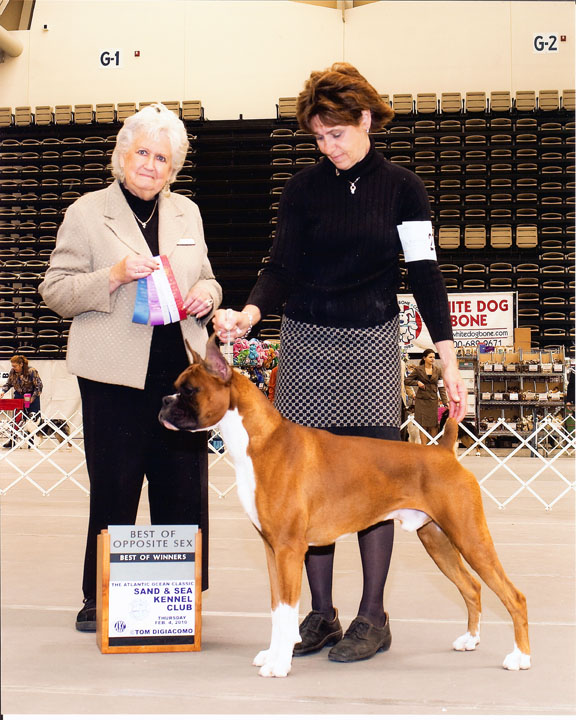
(236, 438)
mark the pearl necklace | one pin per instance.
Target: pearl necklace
(149, 218)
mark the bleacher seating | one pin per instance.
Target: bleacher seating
(498, 168)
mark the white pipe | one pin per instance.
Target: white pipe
(9, 43)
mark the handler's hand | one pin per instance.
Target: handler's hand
(131, 267)
(230, 324)
(198, 302)
(453, 383)
(457, 392)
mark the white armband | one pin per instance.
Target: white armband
(417, 238)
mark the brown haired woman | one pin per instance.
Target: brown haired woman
(334, 269)
(26, 381)
(426, 377)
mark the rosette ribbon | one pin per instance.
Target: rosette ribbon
(158, 298)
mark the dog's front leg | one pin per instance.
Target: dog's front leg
(285, 571)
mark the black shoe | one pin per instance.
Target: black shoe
(9, 444)
(316, 632)
(362, 641)
(86, 618)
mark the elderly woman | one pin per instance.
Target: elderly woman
(334, 269)
(108, 245)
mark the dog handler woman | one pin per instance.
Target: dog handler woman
(334, 269)
(26, 381)
(108, 243)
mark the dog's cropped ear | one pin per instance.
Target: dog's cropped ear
(215, 362)
(197, 359)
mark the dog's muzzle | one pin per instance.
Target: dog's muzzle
(174, 415)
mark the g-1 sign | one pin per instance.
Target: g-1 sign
(476, 318)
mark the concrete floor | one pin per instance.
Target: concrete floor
(50, 669)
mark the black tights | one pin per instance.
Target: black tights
(375, 545)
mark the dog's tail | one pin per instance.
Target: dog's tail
(450, 436)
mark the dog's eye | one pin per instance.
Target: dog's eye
(187, 391)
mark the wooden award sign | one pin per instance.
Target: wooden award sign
(150, 589)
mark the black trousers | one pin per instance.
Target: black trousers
(124, 441)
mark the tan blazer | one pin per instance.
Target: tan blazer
(99, 229)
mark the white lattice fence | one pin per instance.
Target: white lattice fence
(539, 465)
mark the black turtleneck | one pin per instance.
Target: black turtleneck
(335, 260)
(143, 209)
(167, 351)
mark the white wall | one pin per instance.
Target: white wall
(458, 46)
(239, 56)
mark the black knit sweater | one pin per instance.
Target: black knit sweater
(335, 260)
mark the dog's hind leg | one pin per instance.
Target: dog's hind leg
(449, 560)
(285, 571)
(478, 550)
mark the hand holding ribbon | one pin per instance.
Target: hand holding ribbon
(158, 297)
(130, 268)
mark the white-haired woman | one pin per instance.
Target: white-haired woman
(109, 240)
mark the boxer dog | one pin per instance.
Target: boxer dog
(302, 486)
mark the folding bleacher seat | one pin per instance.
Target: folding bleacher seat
(173, 105)
(500, 283)
(449, 237)
(43, 115)
(23, 115)
(475, 101)
(63, 114)
(105, 113)
(192, 110)
(83, 114)
(403, 103)
(500, 101)
(525, 100)
(426, 103)
(450, 102)
(527, 236)
(425, 126)
(124, 110)
(473, 284)
(474, 270)
(286, 108)
(548, 100)
(527, 282)
(385, 98)
(501, 236)
(568, 100)
(475, 237)
(6, 117)
(450, 126)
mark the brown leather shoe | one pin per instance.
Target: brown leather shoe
(317, 632)
(362, 641)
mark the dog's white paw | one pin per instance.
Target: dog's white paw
(516, 660)
(261, 658)
(466, 642)
(271, 665)
(276, 668)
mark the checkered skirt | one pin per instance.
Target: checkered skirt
(339, 377)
